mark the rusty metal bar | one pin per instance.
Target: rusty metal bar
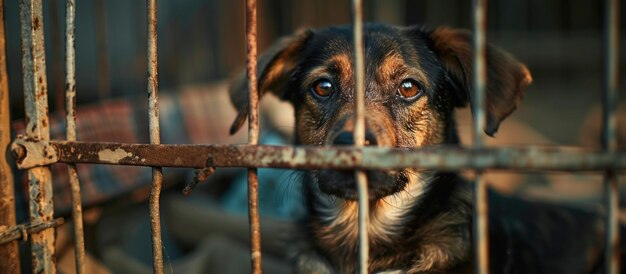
(9, 253)
(609, 138)
(36, 105)
(253, 134)
(21, 232)
(312, 157)
(359, 131)
(359, 73)
(155, 138)
(70, 104)
(481, 207)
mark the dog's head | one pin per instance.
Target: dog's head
(414, 80)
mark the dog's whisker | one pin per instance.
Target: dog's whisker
(288, 184)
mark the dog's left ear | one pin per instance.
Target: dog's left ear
(275, 67)
(507, 78)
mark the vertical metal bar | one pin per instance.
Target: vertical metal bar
(9, 259)
(611, 28)
(36, 105)
(481, 226)
(70, 103)
(104, 88)
(359, 131)
(253, 134)
(155, 138)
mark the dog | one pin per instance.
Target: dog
(420, 220)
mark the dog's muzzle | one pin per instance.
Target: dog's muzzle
(343, 184)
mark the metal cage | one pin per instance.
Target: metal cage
(34, 151)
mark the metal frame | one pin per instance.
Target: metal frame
(35, 151)
(9, 261)
(609, 136)
(70, 105)
(253, 134)
(359, 131)
(41, 209)
(481, 207)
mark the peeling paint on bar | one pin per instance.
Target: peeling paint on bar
(36, 106)
(113, 156)
(39, 152)
(529, 158)
(70, 126)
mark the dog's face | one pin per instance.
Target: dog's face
(414, 79)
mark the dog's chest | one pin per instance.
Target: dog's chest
(396, 241)
(337, 235)
(337, 219)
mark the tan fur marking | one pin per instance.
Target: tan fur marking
(275, 72)
(340, 61)
(385, 217)
(428, 125)
(393, 64)
(343, 62)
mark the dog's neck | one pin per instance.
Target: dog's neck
(386, 216)
(417, 220)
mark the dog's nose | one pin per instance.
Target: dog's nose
(347, 138)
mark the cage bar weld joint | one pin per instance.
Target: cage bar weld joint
(30, 152)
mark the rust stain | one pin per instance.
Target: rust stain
(440, 158)
(9, 252)
(36, 24)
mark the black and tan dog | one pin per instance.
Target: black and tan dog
(420, 220)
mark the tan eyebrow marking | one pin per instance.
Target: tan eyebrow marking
(341, 61)
(390, 66)
(339, 64)
(394, 64)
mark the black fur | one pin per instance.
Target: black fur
(420, 221)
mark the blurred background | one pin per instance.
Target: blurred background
(201, 46)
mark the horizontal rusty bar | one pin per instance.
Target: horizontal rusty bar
(20, 232)
(343, 158)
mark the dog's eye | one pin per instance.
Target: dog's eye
(409, 89)
(322, 88)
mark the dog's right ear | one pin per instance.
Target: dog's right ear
(507, 78)
(275, 68)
